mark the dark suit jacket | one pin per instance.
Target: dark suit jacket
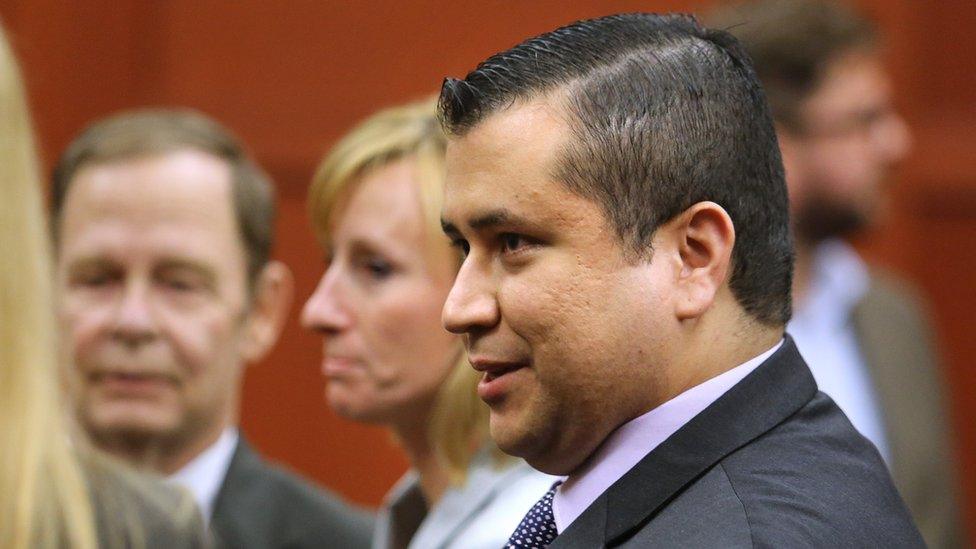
(771, 463)
(261, 506)
(895, 341)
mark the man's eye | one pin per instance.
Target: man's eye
(93, 279)
(512, 242)
(181, 284)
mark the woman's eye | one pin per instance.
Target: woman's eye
(378, 268)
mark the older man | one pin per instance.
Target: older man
(167, 291)
(617, 188)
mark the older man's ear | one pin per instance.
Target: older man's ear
(273, 293)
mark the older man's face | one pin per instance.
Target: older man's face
(151, 272)
(563, 323)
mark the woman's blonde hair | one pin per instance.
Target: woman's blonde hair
(54, 491)
(459, 422)
(44, 501)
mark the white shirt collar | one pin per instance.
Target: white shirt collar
(839, 281)
(205, 473)
(825, 334)
(633, 440)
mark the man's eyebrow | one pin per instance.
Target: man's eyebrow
(189, 265)
(90, 262)
(487, 220)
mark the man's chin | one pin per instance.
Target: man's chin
(516, 439)
(132, 425)
(821, 219)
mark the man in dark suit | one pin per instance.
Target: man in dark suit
(163, 227)
(863, 333)
(617, 188)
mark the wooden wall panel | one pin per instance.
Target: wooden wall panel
(290, 77)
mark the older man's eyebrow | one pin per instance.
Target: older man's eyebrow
(198, 268)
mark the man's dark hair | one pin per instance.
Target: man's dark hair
(665, 114)
(153, 132)
(792, 43)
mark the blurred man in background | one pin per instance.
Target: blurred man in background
(163, 228)
(863, 334)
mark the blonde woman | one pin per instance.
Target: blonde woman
(52, 494)
(375, 206)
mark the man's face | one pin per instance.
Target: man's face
(852, 137)
(568, 328)
(151, 273)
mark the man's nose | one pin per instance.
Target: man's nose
(324, 311)
(471, 305)
(135, 320)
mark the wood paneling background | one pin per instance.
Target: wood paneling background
(290, 77)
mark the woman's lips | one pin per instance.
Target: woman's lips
(338, 366)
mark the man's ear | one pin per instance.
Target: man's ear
(705, 237)
(271, 300)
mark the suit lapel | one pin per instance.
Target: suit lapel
(771, 393)
(587, 531)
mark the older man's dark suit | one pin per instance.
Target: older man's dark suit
(262, 506)
(772, 463)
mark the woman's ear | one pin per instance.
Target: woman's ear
(272, 294)
(705, 237)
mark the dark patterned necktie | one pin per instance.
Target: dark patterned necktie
(538, 527)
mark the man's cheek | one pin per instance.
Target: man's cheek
(193, 338)
(84, 336)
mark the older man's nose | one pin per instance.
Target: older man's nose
(135, 320)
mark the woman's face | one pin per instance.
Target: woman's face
(379, 301)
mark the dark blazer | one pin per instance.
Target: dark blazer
(895, 341)
(771, 463)
(262, 506)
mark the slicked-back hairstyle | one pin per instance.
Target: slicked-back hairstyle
(792, 43)
(152, 132)
(664, 114)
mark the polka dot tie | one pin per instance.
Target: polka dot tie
(538, 527)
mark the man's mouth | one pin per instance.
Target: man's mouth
(498, 372)
(498, 377)
(132, 382)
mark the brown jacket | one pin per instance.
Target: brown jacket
(897, 345)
